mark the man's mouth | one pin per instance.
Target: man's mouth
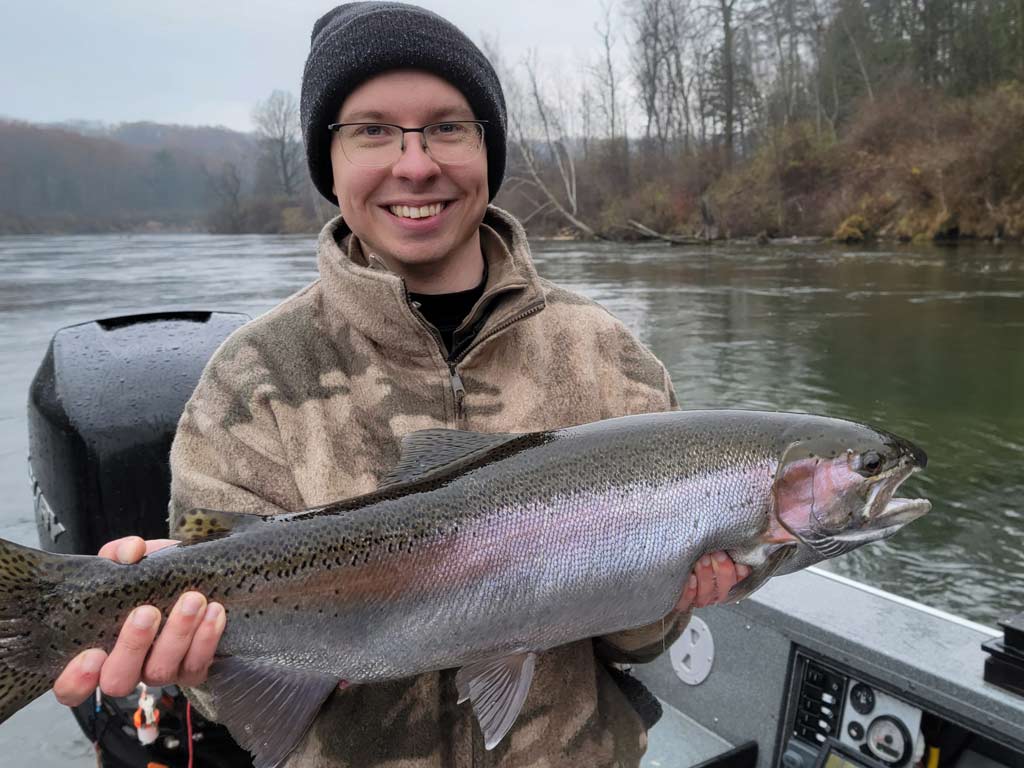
(417, 211)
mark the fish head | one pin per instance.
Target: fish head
(835, 491)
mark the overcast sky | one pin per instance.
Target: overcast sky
(206, 62)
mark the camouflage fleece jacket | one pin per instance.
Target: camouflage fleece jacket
(307, 405)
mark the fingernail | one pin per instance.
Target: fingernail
(743, 570)
(90, 662)
(705, 561)
(190, 604)
(144, 616)
(721, 557)
(691, 583)
(125, 552)
(214, 612)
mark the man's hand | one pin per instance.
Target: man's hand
(712, 578)
(181, 654)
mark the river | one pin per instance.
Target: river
(927, 342)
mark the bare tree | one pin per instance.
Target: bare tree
(537, 132)
(277, 125)
(226, 189)
(607, 76)
(556, 146)
(726, 8)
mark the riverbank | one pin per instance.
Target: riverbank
(914, 166)
(908, 165)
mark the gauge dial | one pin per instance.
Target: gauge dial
(862, 698)
(888, 740)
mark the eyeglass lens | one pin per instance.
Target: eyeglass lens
(376, 145)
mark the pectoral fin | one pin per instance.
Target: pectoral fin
(267, 708)
(762, 573)
(497, 689)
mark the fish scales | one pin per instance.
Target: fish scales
(342, 597)
(505, 546)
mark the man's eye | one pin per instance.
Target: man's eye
(450, 128)
(373, 131)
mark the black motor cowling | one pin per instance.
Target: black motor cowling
(102, 412)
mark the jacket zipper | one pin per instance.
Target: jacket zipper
(530, 310)
(454, 379)
(458, 390)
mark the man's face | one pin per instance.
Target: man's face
(369, 198)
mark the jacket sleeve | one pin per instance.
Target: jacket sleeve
(643, 644)
(227, 453)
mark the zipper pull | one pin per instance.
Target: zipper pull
(458, 390)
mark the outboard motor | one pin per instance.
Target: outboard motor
(102, 412)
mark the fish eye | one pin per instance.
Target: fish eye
(868, 463)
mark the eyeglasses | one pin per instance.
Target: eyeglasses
(378, 144)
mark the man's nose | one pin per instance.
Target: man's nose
(415, 164)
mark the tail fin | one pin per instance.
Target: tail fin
(30, 656)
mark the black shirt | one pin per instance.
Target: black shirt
(446, 311)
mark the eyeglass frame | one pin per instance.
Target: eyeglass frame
(336, 127)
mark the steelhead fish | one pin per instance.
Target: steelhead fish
(478, 551)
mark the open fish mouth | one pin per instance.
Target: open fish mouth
(883, 516)
(883, 512)
(899, 512)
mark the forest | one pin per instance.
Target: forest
(690, 120)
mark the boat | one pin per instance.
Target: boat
(813, 671)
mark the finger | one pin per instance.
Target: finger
(80, 677)
(200, 654)
(705, 581)
(155, 545)
(123, 669)
(129, 549)
(742, 571)
(725, 575)
(164, 661)
(689, 595)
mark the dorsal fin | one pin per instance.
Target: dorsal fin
(430, 449)
(198, 524)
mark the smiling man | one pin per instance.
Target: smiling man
(428, 313)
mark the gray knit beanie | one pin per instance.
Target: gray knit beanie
(356, 41)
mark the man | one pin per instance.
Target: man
(428, 313)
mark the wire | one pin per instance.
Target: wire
(188, 730)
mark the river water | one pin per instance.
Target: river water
(927, 342)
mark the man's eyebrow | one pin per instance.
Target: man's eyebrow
(451, 112)
(362, 116)
(455, 112)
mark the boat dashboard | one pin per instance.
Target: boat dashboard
(819, 671)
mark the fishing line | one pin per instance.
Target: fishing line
(188, 731)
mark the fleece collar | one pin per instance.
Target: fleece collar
(362, 294)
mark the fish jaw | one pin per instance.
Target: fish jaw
(834, 504)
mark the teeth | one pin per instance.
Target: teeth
(407, 212)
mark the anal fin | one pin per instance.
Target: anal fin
(497, 689)
(267, 708)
